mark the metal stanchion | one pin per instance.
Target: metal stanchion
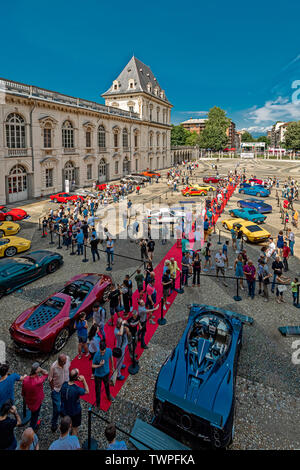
(237, 297)
(85, 260)
(181, 289)
(51, 238)
(162, 320)
(59, 245)
(219, 241)
(90, 443)
(134, 366)
(72, 246)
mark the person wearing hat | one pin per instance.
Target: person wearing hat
(33, 392)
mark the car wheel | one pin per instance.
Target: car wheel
(10, 251)
(242, 192)
(245, 238)
(232, 213)
(61, 340)
(202, 194)
(225, 226)
(55, 200)
(9, 218)
(187, 195)
(258, 194)
(1, 233)
(52, 267)
(106, 294)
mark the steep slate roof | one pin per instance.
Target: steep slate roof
(142, 75)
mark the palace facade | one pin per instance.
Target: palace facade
(50, 141)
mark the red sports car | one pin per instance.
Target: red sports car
(212, 179)
(65, 197)
(47, 326)
(152, 174)
(256, 181)
(103, 186)
(12, 214)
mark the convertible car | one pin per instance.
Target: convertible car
(195, 390)
(251, 231)
(9, 228)
(192, 191)
(65, 197)
(12, 214)
(16, 272)
(257, 204)
(248, 214)
(47, 326)
(10, 246)
(255, 191)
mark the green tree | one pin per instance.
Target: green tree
(247, 137)
(192, 139)
(264, 138)
(179, 135)
(214, 134)
(292, 136)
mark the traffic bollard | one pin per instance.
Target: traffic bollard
(162, 320)
(85, 260)
(237, 297)
(59, 245)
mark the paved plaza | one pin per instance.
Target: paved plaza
(267, 389)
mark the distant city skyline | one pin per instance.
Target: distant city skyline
(241, 59)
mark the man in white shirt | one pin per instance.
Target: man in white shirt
(220, 259)
(271, 249)
(58, 375)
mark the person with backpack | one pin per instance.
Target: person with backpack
(99, 317)
(94, 247)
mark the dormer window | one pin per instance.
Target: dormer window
(156, 91)
(149, 88)
(115, 85)
(162, 95)
(131, 84)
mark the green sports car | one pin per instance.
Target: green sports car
(18, 271)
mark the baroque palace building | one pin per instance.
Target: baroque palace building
(48, 139)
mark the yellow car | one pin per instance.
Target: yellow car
(201, 187)
(9, 246)
(9, 228)
(251, 232)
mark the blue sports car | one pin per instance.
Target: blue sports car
(248, 214)
(255, 191)
(257, 204)
(18, 271)
(195, 389)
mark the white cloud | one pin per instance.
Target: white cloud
(276, 110)
(257, 129)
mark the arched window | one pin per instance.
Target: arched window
(67, 135)
(125, 138)
(157, 112)
(157, 139)
(116, 138)
(136, 140)
(150, 139)
(15, 131)
(101, 137)
(164, 140)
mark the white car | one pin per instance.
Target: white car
(165, 215)
(85, 193)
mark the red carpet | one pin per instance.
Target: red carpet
(85, 365)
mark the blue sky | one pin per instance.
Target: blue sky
(241, 57)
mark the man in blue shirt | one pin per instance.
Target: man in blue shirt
(101, 371)
(65, 441)
(70, 398)
(7, 384)
(79, 240)
(110, 434)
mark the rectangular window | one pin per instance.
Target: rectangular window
(116, 168)
(49, 177)
(88, 139)
(89, 171)
(136, 165)
(115, 140)
(47, 138)
(136, 141)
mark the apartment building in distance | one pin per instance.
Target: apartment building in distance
(198, 125)
(277, 133)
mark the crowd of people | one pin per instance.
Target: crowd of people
(76, 225)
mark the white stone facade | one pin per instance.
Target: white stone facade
(47, 138)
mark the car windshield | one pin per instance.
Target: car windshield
(24, 260)
(4, 241)
(252, 212)
(254, 228)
